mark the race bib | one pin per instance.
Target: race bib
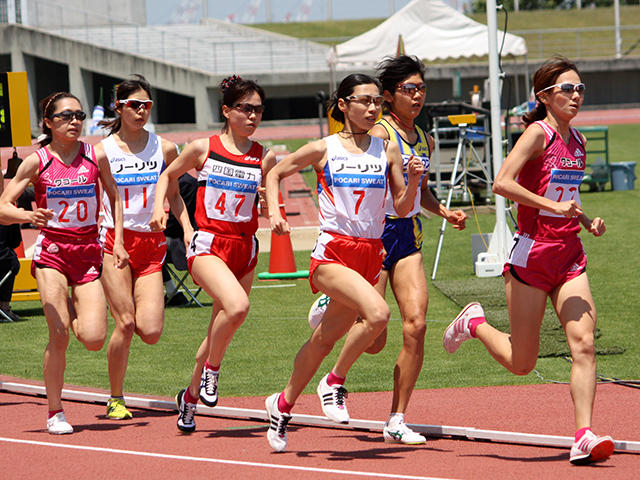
(73, 206)
(564, 185)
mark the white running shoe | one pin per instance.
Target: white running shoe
(316, 312)
(458, 331)
(209, 387)
(277, 433)
(591, 448)
(401, 433)
(58, 425)
(332, 399)
(186, 413)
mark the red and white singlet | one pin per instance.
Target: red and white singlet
(71, 191)
(136, 176)
(227, 188)
(352, 189)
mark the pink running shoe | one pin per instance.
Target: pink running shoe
(591, 448)
(458, 330)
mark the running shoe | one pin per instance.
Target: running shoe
(277, 433)
(186, 413)
(401, 433)
(209, 387)
(332, 399)
(591, 448)
(58, 425)
(116, 409)
(316, 312)
(458, 331)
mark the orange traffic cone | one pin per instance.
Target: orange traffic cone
(281, 259)
(282, 263)
(20, 250)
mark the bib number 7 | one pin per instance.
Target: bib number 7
(360, 195)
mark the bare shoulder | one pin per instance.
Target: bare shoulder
(379, 131)
(98, 149)
(316, 149)
(392, 148)
(431, 142)
(169, 149)
(31, 162)
(200, 145)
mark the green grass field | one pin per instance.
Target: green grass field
(260, 357)
(591, 44)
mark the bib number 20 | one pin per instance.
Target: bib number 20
(82, 211)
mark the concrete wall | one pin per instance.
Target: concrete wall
(73, 13)
(54, 62)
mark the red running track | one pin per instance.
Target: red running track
(151, 444)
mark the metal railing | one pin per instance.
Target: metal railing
(586, 42)
(219, 47)
(214, 47)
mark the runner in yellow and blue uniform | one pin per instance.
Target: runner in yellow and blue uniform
(404, 92)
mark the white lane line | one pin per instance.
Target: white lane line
(215, 460)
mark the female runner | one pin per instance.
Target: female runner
(135, 293)
(223, 252)
(352, 169)
(404, 88)
(65, 173)
(542, 174)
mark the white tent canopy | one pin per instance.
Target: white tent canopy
(430, 30)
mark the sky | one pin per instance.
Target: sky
(259, 11)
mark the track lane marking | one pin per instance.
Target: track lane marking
(215, 460)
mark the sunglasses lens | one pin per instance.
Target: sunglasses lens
(249, 109)
(136, 104)
(411, 88)
(570, 87)
(68, 115)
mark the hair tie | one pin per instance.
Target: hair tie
(228, 82)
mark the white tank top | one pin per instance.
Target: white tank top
(136, 176)
(352, 189)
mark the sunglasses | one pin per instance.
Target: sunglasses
(249, 108)
(68, 115)
(566, 87)
(412, 88)
(136, 104)
(366, 100)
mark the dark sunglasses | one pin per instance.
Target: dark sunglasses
(68, 115)
(136, 104)
(249, 108)
(412, 88)
(366, 100)
(567, 87)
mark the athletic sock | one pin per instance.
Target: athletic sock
(473, 324)
(208, 366)
(395, 418)
(283, 405)
(333, 379)
(188, 398)
(54, 412)
(581, 432)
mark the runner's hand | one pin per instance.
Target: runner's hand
(120, 256)
(40, 217)
(597, 227)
